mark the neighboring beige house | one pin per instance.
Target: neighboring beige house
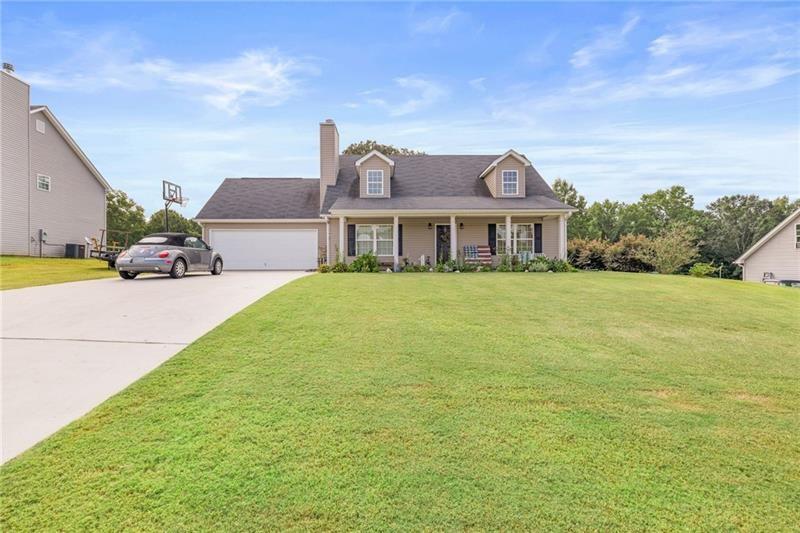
(48, 183)
(776, 256)
(422, 208)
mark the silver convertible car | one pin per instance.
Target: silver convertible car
(168, 253)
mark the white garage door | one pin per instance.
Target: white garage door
(266, 249)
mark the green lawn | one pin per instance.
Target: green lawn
(17, 272)
(451, 401)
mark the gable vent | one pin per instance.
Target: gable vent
(40, 125)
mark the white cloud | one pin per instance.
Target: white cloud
(115, 60)
(439, 23)
(477, 84)
(425, 93)
(610, 40)
(703, 37)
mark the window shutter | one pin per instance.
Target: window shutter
(351, 240)
(537, 238)
(493, 238)
(400, 240)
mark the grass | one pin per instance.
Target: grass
(17, 272)
(457, 401)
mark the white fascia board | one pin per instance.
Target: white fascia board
(448, 212)
(511, 153)
(763, 240)
(259, 220)
(372, 154)
(72, 144)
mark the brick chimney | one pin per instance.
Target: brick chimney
(328, 156)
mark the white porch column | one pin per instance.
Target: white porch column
(562, 237)
(342, 249)
(509, 251)
(396, 242)
(328, 251)
(453, 238)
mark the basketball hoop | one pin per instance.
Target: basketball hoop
(171, 193)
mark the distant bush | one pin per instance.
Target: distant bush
(671, 250)
(324, 268)
(627, 254)
(365, 263)
(587, 254)
(702, 270)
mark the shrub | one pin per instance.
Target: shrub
(324, 268)
(339, 266)
(365, 263)
(702, 270)
(411, 267)
(559, 265)
(587, 254)
(538, 266)
(505, 264)
(671, 250)
(626, 255)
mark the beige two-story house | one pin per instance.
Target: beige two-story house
(52, 195)
(422, 209)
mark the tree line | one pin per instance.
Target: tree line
(126, 222)
(666, 222)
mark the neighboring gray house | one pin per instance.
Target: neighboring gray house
(48, 183)
(402, 208)
(776, 256)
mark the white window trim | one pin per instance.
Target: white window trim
(514, 237)
(375, 239)
(797, 235)
(503, 183)
(49, 183)
(381, 182)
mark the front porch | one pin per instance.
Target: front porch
(435, 238)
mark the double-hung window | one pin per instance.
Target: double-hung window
(375, 182)
(521, 239)
(375, 238)
(43, 182)
(510, 183)
(797, 235)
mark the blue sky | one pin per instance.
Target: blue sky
(620, 99)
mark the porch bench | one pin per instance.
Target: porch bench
(477, 254)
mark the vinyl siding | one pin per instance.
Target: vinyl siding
(15, 167)
(320, 227)
(494, 179)
(779, 255)
(375, 163)
(75, 206)
(418, 240)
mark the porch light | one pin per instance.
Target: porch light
(430, 226)
(461, 225)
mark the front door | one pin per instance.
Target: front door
(442, 243)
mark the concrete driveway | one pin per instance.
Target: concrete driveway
(65, 348)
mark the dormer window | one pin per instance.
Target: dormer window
(375, 182)
(510, 183)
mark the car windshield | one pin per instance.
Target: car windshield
(152, 240)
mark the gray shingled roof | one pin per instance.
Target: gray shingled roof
(243, 198)
(419, 182)
(437, 182)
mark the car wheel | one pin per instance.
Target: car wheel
(178, 269)
(216, 270)
(127, 275)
